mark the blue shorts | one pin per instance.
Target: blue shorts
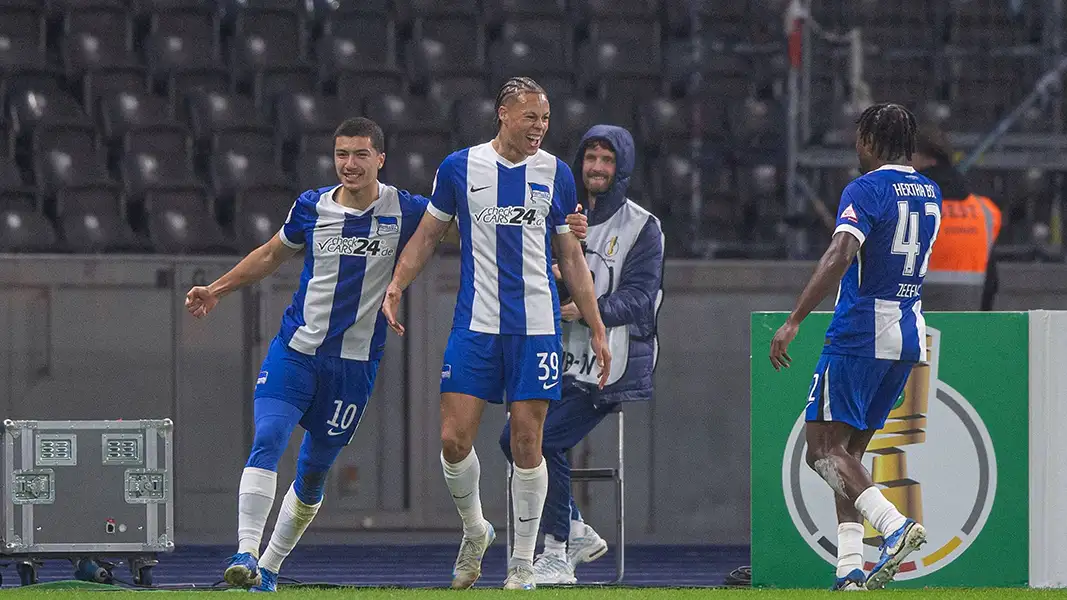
(331, 391)
(486, 365)
(856, 390)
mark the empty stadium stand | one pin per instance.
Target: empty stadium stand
(189, 125)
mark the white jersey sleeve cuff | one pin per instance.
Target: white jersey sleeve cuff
(437, 213)
(856, 233)
(285, 240)
(561, 229)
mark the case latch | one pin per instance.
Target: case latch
(145, 486)
(34, 487)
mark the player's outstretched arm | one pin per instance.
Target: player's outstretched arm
(416, 253)
(258, 264)
(827, 276)
(579, 281)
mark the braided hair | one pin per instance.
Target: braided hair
(889, 130)
(513, 87)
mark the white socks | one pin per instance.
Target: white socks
(462, 479)
(293, 519)
(528, 489)
(554, 546)
(881, 513)
(849, 548)
(254, 501)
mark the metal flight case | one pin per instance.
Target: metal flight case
(90, 492)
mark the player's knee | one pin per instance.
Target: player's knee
(814, 454)
(526, 445)
(312, 465)
(455, 446)
(310, 486)
(268, 445)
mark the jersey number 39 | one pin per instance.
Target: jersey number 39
(906, 238)
(548, 363)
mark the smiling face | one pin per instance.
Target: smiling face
(598, 168)
(357, 162)
(524, 122)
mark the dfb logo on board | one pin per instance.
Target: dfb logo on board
(933, 459)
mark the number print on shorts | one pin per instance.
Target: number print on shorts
(337, 427)
(548, 363)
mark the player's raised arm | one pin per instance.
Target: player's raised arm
(435, 223)
(259, 263)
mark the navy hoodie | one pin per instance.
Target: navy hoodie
(633, 302)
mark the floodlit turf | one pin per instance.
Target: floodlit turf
(559, 594)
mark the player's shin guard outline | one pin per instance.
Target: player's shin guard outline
(293, 520)
(528, 490)
(254, 502)
(463, 481)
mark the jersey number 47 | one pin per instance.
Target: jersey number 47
(906, 238)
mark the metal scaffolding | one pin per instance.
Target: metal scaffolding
(998, 149)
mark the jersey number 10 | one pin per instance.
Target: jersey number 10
(906, 238)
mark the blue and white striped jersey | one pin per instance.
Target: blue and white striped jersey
(895, 213)
(349, 258)
(507, 215)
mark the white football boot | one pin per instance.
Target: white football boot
(520, 576)
(468, 567)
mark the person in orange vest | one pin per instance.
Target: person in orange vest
(962, 273)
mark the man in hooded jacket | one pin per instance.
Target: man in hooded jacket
(624, 249)
(963, 274)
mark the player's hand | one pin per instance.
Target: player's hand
(578, 222)
(556, 272)
(569, 312)
(603, 357)
(199, 301)
(390, 306)
(780, 344)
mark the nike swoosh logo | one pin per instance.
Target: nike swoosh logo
(332, 432)
(548, 387)
(474, 189)
(463, 496)
(522, 520)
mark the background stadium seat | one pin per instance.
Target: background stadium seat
(14, 192)
(180, 222)
(66, 156)
(260, 212)
(395, 113)
(413, 163)
(437, 69)
(269, 54)
(546, 63)
(499, 11)
(91, 220)
(474, 119)
(130, 110)
(167, 89)
(314, 170)
(26, 231)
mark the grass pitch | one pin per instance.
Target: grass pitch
(54, 591)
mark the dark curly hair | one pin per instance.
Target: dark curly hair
(889, 130)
